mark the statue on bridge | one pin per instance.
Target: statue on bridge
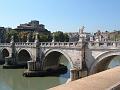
(36, 38)
(53, 40)
(81, 30)
(81, 34)
(28, 36)
(12, 39)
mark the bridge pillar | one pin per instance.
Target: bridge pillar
(10, 62)
(77, 74)
(80, 65)
(34, 66)
(37, 63)
(74, 74)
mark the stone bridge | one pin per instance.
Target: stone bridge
(84, 57)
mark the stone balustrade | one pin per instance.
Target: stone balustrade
(58, 44)
(5, 44)
(23, 43)
(67, 44)
(104, 43)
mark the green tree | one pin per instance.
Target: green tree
(45, 37)
(31, 37)
(23, 36)
(66, 37)
(12, 33)
(59, 36)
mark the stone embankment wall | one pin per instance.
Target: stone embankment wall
(106, 80)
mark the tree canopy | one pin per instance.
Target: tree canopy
(23, 36)
(59, 36)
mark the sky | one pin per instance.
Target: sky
(62, 15)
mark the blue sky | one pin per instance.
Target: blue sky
(64, 15)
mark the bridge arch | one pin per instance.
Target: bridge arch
(54, 54)
(5, 52)
(102, 61)
(23, 56)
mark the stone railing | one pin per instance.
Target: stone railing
(24, 44)
(104, 44)
(60, 44)
(67, 44)
(5, 44)
(45, 44)
(49, 44)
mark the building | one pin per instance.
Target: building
(102, 36)
(73, 36)
(2, 34)
(32, 26)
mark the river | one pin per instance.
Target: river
(12, 79)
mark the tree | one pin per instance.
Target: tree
(45, 37)
(59, 36)
(23, 36)
(66, 37)
(12, 33)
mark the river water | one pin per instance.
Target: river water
(12, 79)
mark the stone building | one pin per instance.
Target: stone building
(102, 36)
(2, 34)
(115, 35)
(73, 36)
(32, 26)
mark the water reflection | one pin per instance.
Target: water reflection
(64, 77)
(12, 79)
(115, 62)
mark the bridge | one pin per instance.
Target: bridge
(85, 57)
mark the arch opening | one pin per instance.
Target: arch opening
(56, 60)
(105, 63)
(4, 53)
(23, 56)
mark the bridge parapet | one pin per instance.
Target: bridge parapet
(92, 44)
(104, 44)
(45, 44)
(24, 43)
(5, 44)
(60, 44)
